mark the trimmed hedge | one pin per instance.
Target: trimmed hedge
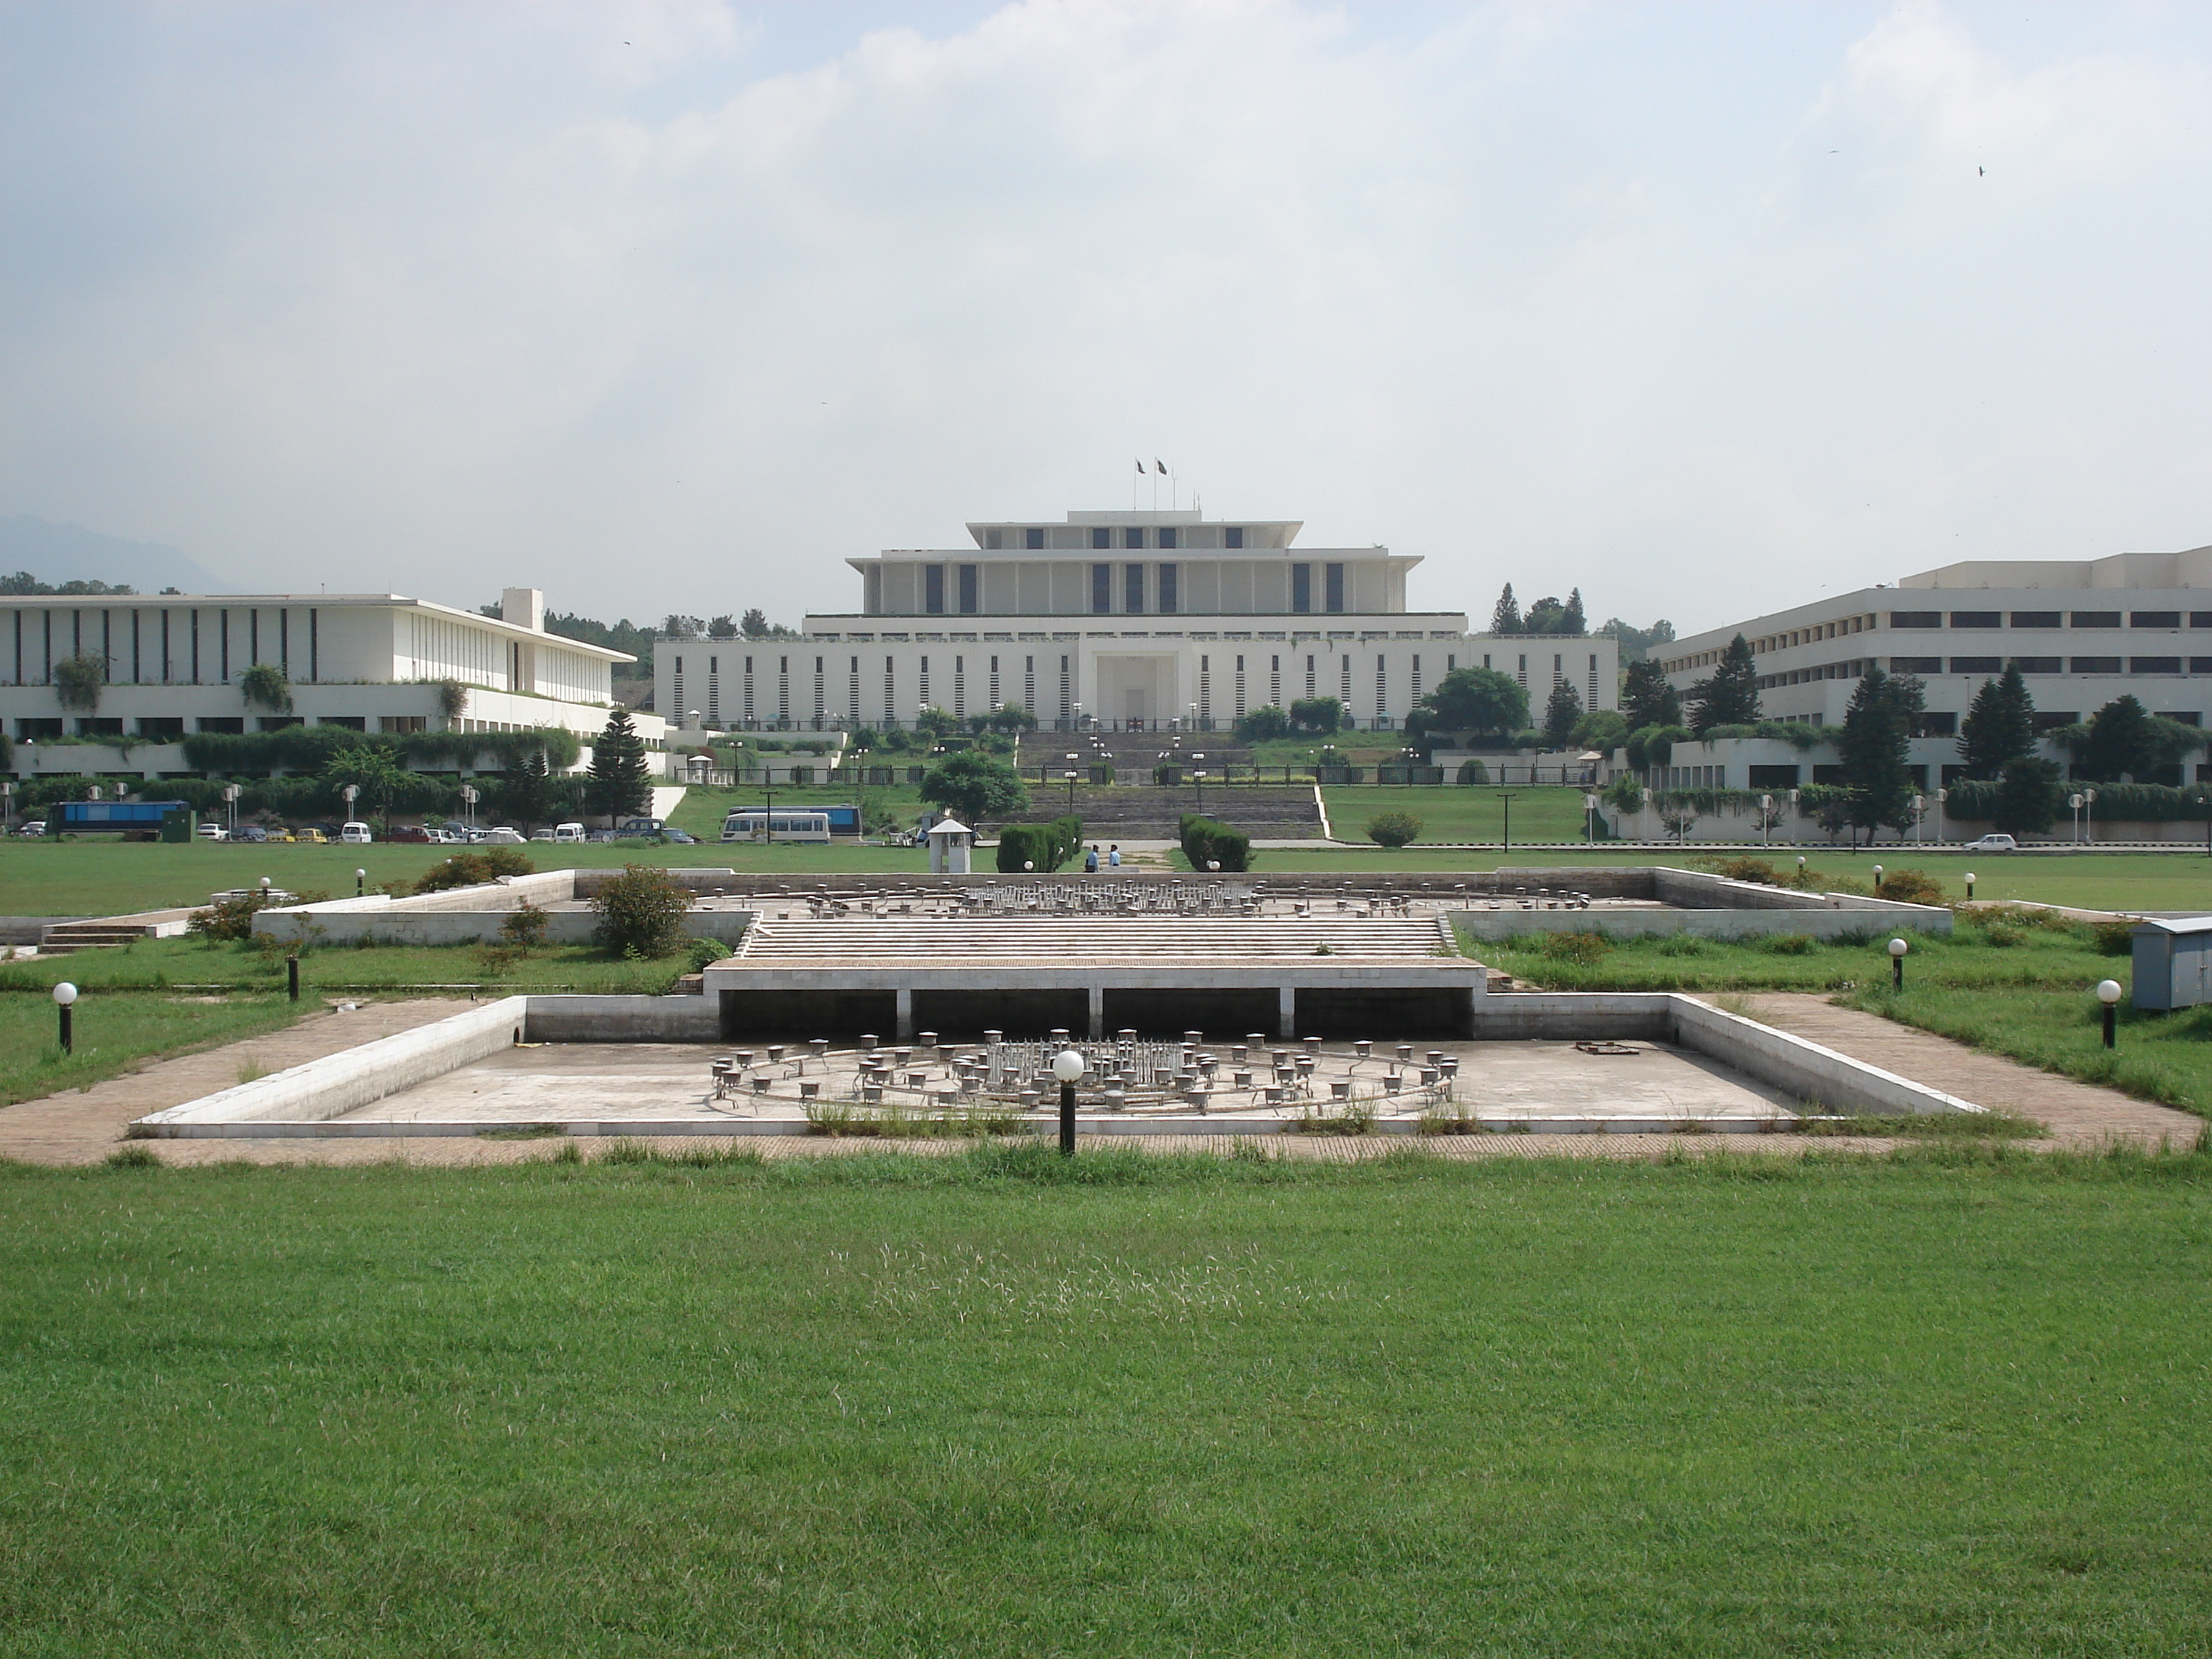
(1205, 841)
(309, 748)
(1975, 800)
(1047, 845)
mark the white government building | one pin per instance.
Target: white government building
(2083, 631)
(1135, 620)
(372, 662)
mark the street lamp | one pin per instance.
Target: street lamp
(359, 883)
(1070, 775)
(1919, 805)
(1767, 820)
(1507, 801)
(1067, 1069)
(1898, 947)
(230, 794)
(1589, 817)
(1877, 881)
(1970, 887)
(2108, 992)
(1198, 783)
(470, 796)
(64, 994)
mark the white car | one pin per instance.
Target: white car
(1993, 844)
(355, 834)
(505, 836)
(211, 832)
(568, 832)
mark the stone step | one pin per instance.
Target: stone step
(1076, 939)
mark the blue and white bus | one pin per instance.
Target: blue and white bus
(785, 823)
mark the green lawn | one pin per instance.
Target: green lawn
(159, 964)
(1931, 1406)
(115, 1032)
(1454, 812)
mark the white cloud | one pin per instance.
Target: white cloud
(450, 297)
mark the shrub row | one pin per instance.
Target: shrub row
(1043, 846)
(1207, 843)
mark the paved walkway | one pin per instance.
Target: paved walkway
(2077, 1113)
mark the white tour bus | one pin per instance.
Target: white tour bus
(752, 823)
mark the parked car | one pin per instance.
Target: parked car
(568, 832)
(541, 834)
(414, 834)
(38, 827)
(677, 837)
(640, 827)
(505, 836)
(355, 834)
(311, 834)
(1993, 844)
(207, 831)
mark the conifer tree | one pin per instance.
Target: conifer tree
(1561, 714)
(1999, 727)
(1506, 617)
(1647, 698)
(1877, 727)
(1730, 695)
(1573, 621)
(619, 781)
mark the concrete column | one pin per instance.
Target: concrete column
(1286, 1011)
(1097, 996)
(905, 1014)
(1474, 993)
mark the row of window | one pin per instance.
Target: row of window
(2055, 665)
(158, 647)
(1166, 536)
(2049, 619)
(1146, 589)
(170, 728)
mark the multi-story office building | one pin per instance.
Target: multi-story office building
(373, 662)
(1133, 620)
(2083, 633)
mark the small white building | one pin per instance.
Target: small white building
(1145, 621)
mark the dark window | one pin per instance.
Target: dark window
(1773, 777)
(2096, 619)
(1977, 619)
(163, 728)
(1301, 587)
(2037, 618)
(1168, 536)
(2051, 719)
(2039, 665)
(1102, 538)
(350, 722)
(1233, 536)
(1133, 589)
(968, 586)
(2200, 665)
(1977, 665)
(932, 589)
(1033, 539)
(1915, 665)
(1132, 538)
(1828, 775)
(2200, 619)
(1915, 619)
(2154, 619)
(1333, 578)
(1938, 726)
(2154, 664)
(2187, 716)
(233, 724)
(1168, 598)
(32, 730)
(2096, 664)
(1102, 590)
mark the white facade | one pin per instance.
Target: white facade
(2083, 632)
(1131, 620)
(372, 662)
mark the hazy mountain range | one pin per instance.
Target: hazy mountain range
(64, 552)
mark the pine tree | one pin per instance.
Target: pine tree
(530, 792)
(1730, 695)
(1999, 727)
(1561, 714)
(619, 781)
(1506, 618)
(1574, 621)
(1647, 698)
(1874, 752)
(2030, 798)
(2122, 741)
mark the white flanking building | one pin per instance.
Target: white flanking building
(2083, 633)
(371, 662)
(1136, 621)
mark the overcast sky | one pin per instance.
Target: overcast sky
(674, 307)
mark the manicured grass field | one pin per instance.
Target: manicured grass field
(115, 1032)
(1453, 813)
(160, 964)
(995, 1404)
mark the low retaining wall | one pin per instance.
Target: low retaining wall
(336, 1084)
(623, 1019)
(474, 916)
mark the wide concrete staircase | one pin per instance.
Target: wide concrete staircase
(1264, 812)
(951, 941)
(100, 932)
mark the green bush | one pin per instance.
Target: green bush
(2114, 938)
(1392, 829)
(525, 927)
(227, 920)
(1910, 887)
(474, 869)
(1207, 843)
(1787, 945)
(705, 952)
(1474, 772)
(1046, 847)
(1743, 869)
(1581, 949)
(641, 913)
(1259, 725)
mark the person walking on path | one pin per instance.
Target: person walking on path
(1113, 856)
(1091, 862)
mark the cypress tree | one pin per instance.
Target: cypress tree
(1730, 696)
(1561, 714)
(1574, 621)
(1506, 617)
(1874, 753)
(618, 780)
(1999, 727)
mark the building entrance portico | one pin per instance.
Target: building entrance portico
(1137, 691)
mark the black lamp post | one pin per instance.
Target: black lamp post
(2108, 992)
(1508, 802)
(1067, 1069)
(1898, 947)
(64, 994)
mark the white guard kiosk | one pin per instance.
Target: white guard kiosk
(950, 844)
